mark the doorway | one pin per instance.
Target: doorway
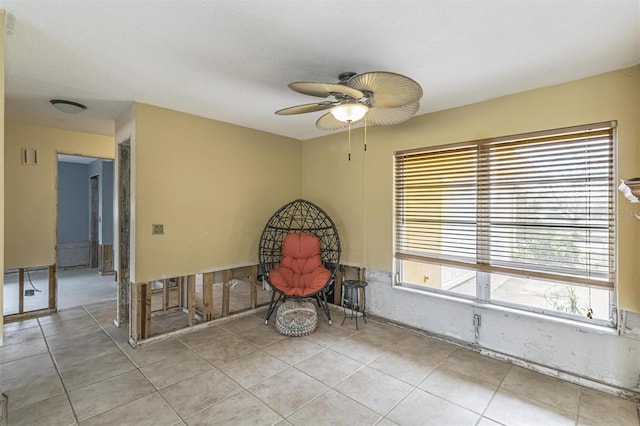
(85, 230)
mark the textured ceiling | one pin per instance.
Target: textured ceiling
(232, 60)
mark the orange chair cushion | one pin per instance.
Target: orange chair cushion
(301, 272)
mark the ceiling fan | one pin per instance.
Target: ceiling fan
(380, 97)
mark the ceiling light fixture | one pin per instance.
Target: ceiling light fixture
(349, 112)
(68, 107)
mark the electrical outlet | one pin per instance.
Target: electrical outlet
(29, 292)
(476, 320)
(157, 229)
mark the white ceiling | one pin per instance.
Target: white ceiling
(232, 60)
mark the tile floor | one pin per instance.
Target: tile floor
(75, 287)
(75, 367)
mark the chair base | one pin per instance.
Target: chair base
(296, 318)
(320, 297)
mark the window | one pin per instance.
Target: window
(525, 221)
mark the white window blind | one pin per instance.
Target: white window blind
(537, 205)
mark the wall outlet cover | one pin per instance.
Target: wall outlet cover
(157, 229)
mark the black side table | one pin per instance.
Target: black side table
(352, 288)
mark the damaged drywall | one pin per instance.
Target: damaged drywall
(596, 353)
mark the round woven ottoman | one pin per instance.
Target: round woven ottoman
(296, 318)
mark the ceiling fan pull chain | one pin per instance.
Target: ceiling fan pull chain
(365, 132)
(349, 140)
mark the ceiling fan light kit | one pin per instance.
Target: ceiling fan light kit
(349, 112)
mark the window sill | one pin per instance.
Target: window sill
(493, 307)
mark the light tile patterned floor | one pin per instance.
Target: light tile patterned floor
(75, 287)
(75, 367)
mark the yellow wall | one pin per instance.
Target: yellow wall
(30, 191)
(336, 184)
(1, 170)
(213, 186)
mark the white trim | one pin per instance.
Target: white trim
(551, 317)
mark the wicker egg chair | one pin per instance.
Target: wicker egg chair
(299, 254)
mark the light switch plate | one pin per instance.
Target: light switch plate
(157, 229)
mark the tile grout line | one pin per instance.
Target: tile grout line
(495, 392)
(324, 348)
(187, 378)
(192, 350)
(137, 368)
(232, 379)
(384, 416)
(575, 412)
(330, 388)
(292, 366)
(55, 365)
(578, 407)
(242, 387)
(179, 381)
(413, 388)
(417, 386)
(362, 366)
(289, 366)
(183, 379)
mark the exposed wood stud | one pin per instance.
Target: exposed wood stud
(142, 296)
(28, 315)
(207, 295)
(165, 295)
(227, 277)
(146, 332)
(362, 277)
(191, 300)
(140, 315)
(53, 287)
(184, 291)
(21, 290)
(105, 260)
(135, 317)
(180, 283)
